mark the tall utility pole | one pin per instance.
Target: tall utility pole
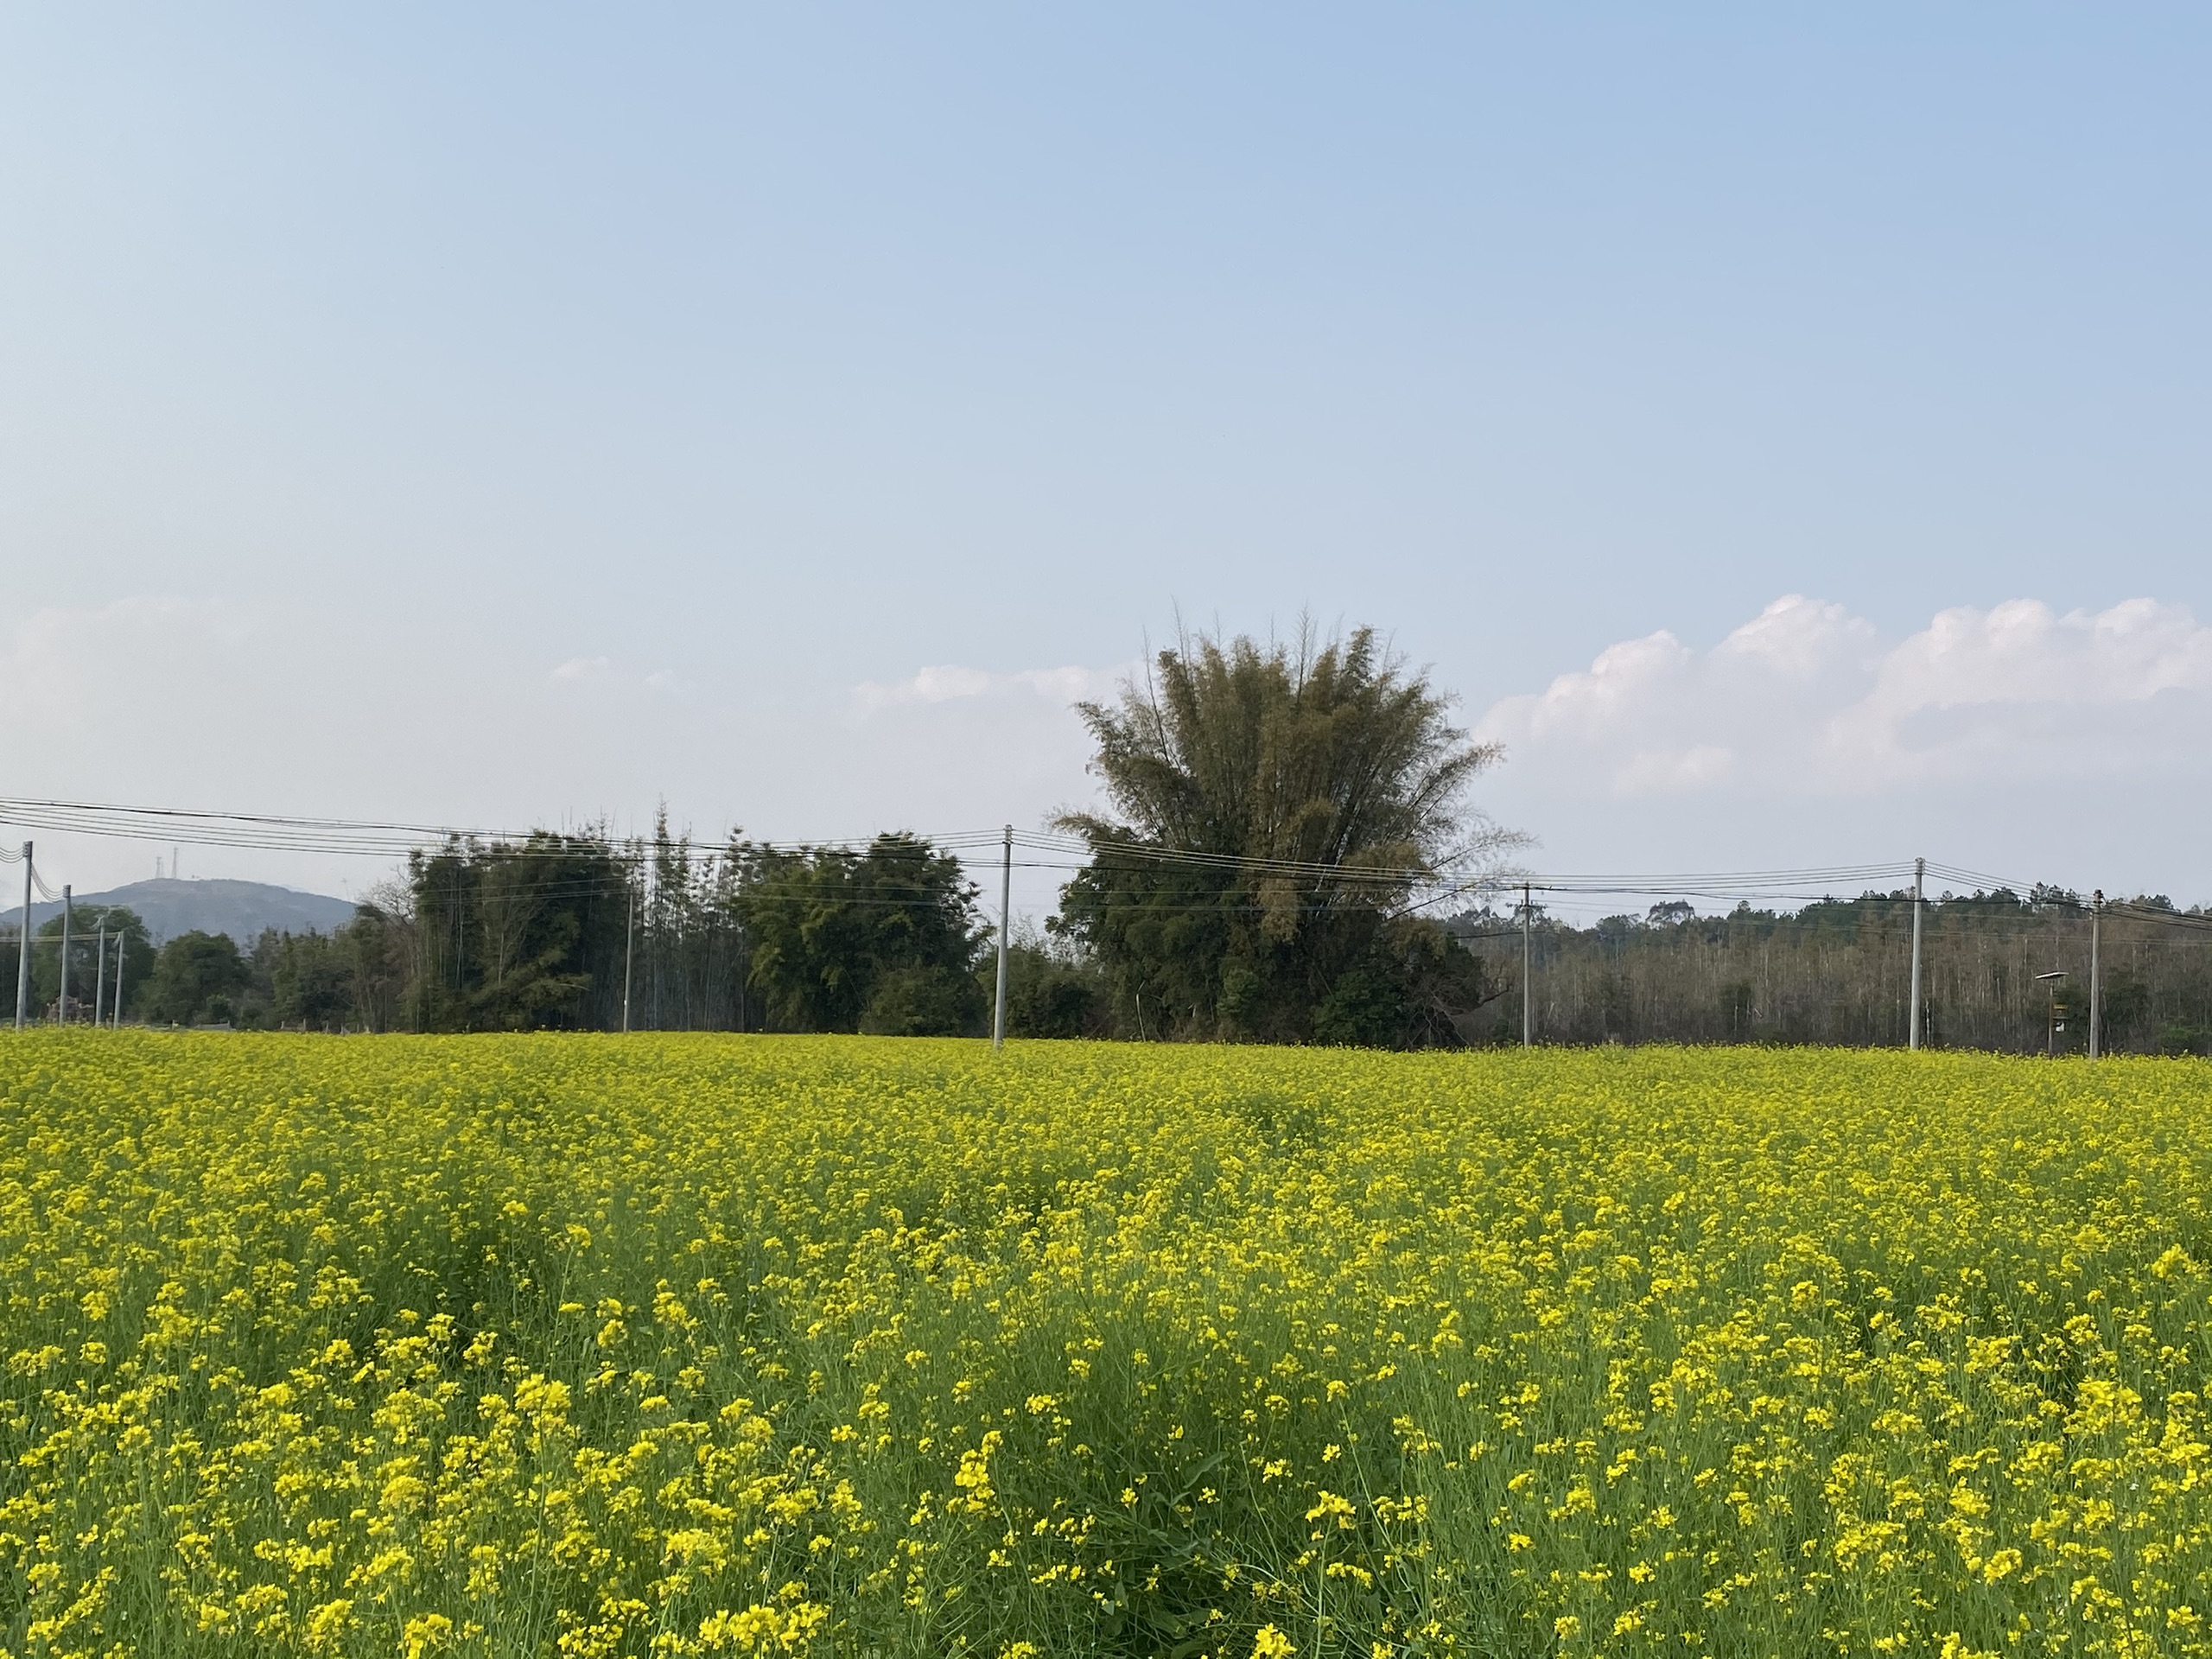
(99, 982)
(1919, 888)
(1005, 916)
(1527, 970)
(2096, 982)
(61, 1009)
(115, 1019)
(24, 952)
(629, 954)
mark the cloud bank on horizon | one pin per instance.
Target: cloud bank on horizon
(1807, 700)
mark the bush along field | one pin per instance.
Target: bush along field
(874, 1346)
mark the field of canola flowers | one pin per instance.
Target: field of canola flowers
(782, 1346)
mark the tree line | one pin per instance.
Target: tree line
(1279, 819)
(578, 931)
(1273, 807)
(2000, 970)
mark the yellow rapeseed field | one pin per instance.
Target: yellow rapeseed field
(778, 1346)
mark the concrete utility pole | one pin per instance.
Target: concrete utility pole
(115, 1019)
(629, 954)
(23, 952)
(2096, 980)
(1919, 888)
(62, 1007)
(1005, 916)
(1527, 970)
(99, 980)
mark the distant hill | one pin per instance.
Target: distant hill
(241, 909)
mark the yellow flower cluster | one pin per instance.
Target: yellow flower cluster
(594, 1346)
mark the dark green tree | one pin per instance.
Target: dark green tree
(1052, 990)
(379, 946)
(312, 984)
(196, 978)
(883, 939)
(1274, 809)
(518, 936)
(1416, 987)
(920, 1001)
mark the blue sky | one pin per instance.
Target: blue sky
(538, 412)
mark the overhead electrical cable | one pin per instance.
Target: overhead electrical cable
(1424, 886)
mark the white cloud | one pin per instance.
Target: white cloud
(1806, 700)
(604, 677)
(950, 682)
(1675, 771)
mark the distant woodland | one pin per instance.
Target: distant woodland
(889, 938)
(1839, 971)
(1280, 821)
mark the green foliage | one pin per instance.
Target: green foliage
(1051, 992)
(85, 979)
(938, 1001)
(312, 982)
(378, 947)
(515, 936)
(1362, 1010)
(2127, 1006)
(550, 932)
(829, 926)
(2179, 1038)
(1277, 806)
(196, 979)
(1415, 988)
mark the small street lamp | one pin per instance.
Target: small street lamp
(2050, 981)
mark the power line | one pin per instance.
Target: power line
(393, 839)
(341, 836)
(389, 839)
